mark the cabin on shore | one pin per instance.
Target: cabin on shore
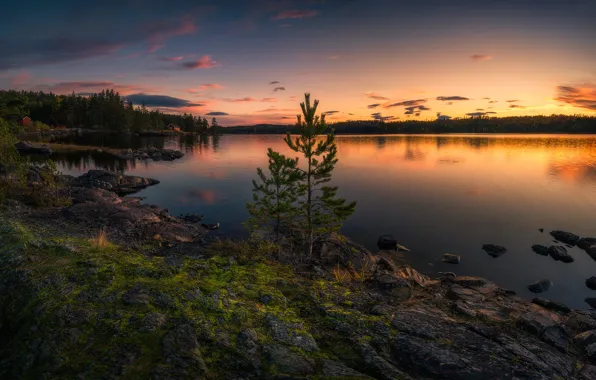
(173, 127)
(26, 121)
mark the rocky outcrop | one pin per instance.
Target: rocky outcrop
(559, 253)
(540, 249)
(118, 183)
(155, 154)
(540, 286)
(565, 237)
(586, 243)
(28, 148)
(494, 250)
(450, 258)
(591, 283)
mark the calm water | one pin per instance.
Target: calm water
(436, 194)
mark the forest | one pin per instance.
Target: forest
(106, 110)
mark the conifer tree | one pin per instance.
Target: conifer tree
(274, 196)
(321, 211)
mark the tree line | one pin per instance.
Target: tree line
(106, 110)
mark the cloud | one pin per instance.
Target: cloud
(494, 101)
(330, 112)
(375, 96)
(481, 57)
(90, 87)
(407, 103)
(287, 117)
(479, 109)
(274, 82)
(154, 48)
(217, 113)
(161, 101)
(240, 100)
(451, 98)
(512, 101)
(485, 98)
(279, 89)
(380, 117)
(295, 14)
(269, 100)
(476, 114)
(205, 62)
(517, 106)
(20, 79)
(203, 87)
(333, 57)
(490, 112)
(371, 106)
(583, 96)
(172, 59)
(275, 109)
(449, 103)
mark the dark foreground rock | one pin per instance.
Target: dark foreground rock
(551, 305)
(118, 183)
(540, 249)
(586, 243)
(565, 237)
(28, 148)
(494, 250)
(155, 154)
(591, 283)
(387, 242)
(559, 253)
(450, 258)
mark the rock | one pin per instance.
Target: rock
(450, 258)
(591, 283)
(559, 254)
(565, 237)
(591, 351)
(591, 301)
(458, 292)
(290, 333)
(470, 282)
(592, 252)
(192, 218)
(381, 310)
(181, 347)
(585, 243)
(396, 286)
(333, 369)
(118, 183)
(341, 250)
(494, 250)
(538, 321)
(463, 308)
(151, 322)
(540, 286)
(286, 361)
(210, 226)
(579, 322)
(540, 249)
(541, 229)
(551, 305)
(25, 147)
(387, 242)
(246, 341)
(585, 339)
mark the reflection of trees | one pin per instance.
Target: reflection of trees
(215, 142)
(82, 161)
(579, 171)
(381, 141)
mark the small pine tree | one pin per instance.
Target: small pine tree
(274, 196)
(322, 212)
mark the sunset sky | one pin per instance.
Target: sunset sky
(251, 61)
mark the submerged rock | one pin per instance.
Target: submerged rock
(26, 147)
(450, 258)
(591, 283)
(387, 242)
(559, 253)
(494, 250)
(540, 249)
(565, 237)
(118, 183)
(540, 286)
(591, 301)
(551, 305)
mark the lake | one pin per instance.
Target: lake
(435, 194)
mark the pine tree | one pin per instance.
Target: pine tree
(322, 212)
(274, 196)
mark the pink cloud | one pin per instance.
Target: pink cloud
(210, 86)
(295, 14)
(172, 59)
(91, 87)
(269, 100)
(481, 57)
(205, 62)
(333, 57)
(156, 47)
(20, 79)
(161, 31)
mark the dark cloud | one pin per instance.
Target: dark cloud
(217, 113)
(450, 103)
(481, 57)
(51, 48)
(494, 101)
(407, 103)
(582, 96)
(330, 112)
(479, 109)
(517, 106)
(287, 117)
(451, 98)
(371, 106)
(415, 110)
(295, 14)
(279, 89)
(205, 62)
(274, 82)
(512, 101)
(380, 117)
(375, 96)
(490, 112)
(161, 101)
(485, 98)
(476, 114)
(172, 59)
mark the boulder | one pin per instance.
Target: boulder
(565, 237)
(591, 301)
(540, 249)
(25, 147)
(393, 285)
(341, 250)
(592, 252)
(387, 242)
(559, 253)
(181, 347)
(332, 369)
(540, 286)
(450, 258)
(118, 183)
(591, 283)
(494, 250)
(585, 243)
(551, 305)
(471, 282)
(287, 361)
(585, 339)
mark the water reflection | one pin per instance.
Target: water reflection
(436, 194)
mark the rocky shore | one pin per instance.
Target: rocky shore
(159, 299)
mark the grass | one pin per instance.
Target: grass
(101, 240)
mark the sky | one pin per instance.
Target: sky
(251, 61)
